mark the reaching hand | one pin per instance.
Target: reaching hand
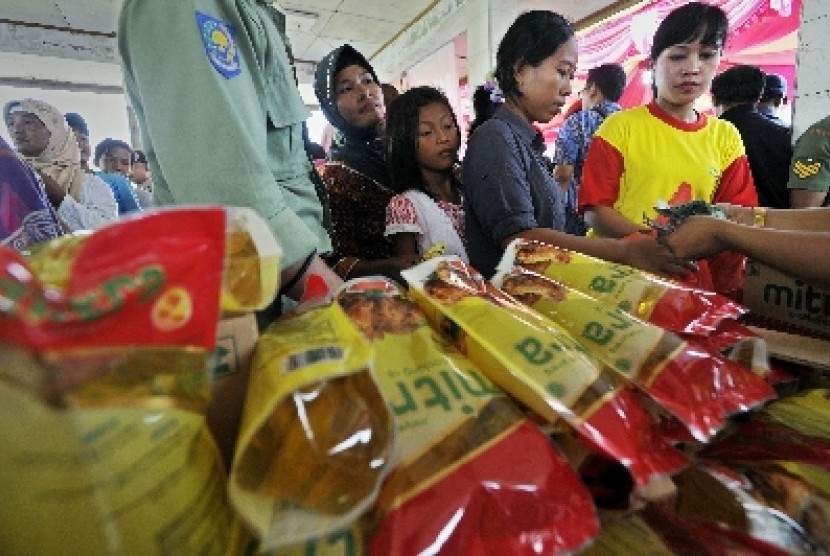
(653, 256)
(737, 213)
(699, 237)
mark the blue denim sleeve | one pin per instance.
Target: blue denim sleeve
(123, 192)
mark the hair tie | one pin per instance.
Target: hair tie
(491, 84)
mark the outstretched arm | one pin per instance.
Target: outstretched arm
(798, 253)
(609, 222)
(645, 253)
(813, 219)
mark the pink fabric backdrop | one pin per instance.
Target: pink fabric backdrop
(762, 33)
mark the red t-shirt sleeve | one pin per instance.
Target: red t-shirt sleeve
(738, 188)
(601, 175)
(736, 185)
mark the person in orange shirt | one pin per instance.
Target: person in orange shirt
(667, 151)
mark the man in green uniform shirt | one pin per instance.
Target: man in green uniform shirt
(220, 116)
(810, 167)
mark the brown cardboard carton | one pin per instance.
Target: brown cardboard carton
(803, 350)
(230, 368)
(793, 303)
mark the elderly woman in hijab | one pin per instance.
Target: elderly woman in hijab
(43, 138)
(26, 215)
(356, 176)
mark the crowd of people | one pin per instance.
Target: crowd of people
(50, 162)
(391, 190)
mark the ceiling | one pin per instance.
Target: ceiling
(316, 27)
(69, 43)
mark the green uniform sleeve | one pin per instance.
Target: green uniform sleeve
(221, 133)
(810, 166)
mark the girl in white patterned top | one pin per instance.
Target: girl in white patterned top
(422, 139)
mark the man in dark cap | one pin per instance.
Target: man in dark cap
(768, 147)
(774, 95)
(78, 125)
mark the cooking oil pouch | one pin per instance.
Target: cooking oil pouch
(541, 366)
(103, 388)
(471, 475)
(316, 436)
(728, 333)
(251, 263)
(784, 454)
(657, 531)
(794, 428)
(807, 413)
(798, 490)
(711, 492)
(343, 542)
(677, 308)
(698, 386)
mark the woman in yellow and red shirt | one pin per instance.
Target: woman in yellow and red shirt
(668, 151)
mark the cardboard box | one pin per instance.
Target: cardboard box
(792, 303)
(230, 368)
(813, 352)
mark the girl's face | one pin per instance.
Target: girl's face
(438, 137)
(359, 98)
(118, 160)
(83, 144)
(29, 134)
(546, 87)
(683, 72)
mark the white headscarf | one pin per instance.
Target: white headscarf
(61, 159)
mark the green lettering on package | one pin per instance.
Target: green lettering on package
(597, 333)
(534, 352)
(152, 278)
(602, 284)
(409, 402)
(437, 397)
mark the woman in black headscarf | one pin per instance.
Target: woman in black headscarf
(356, 176)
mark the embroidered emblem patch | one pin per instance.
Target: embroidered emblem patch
(220, 45)
(806, 168)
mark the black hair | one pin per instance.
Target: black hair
(325, 87)
(609, 79)
(390, 93)
(531, 38)
(483, 107)
(402, 136)
(738, 85)
(352, 58)
(694, 21)
(107, 145)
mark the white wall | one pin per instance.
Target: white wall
(812, 80)
(105, 114)
(438, 70)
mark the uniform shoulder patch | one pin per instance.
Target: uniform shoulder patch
(806, 168)
(219, 40)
